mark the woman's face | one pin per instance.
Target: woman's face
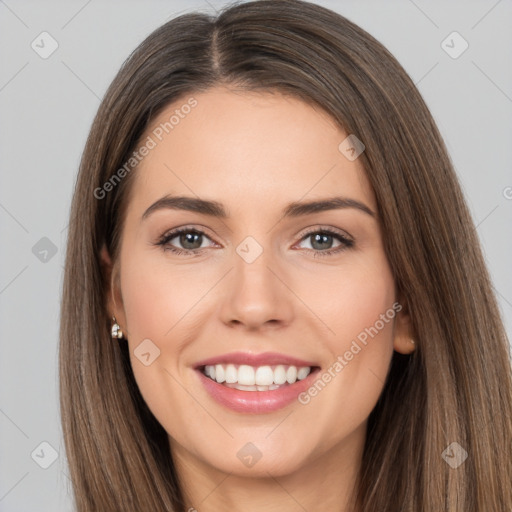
(261, 285)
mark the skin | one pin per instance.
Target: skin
(255, 153)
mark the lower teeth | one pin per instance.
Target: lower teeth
(241, 387)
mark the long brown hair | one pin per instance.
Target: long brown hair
(457, 385)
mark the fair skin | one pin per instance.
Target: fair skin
(255, 153)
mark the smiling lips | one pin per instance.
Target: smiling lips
(259, 383)
(261, 378)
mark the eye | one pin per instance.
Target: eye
(190, 239)
(322, 240)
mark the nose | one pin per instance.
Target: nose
(256, 295)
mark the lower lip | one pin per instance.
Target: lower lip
(256, 402)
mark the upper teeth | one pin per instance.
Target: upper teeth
(260, 375)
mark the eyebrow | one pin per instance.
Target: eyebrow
(216, 209)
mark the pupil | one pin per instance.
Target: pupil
(322, 238)
(190, 238)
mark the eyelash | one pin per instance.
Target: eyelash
(346, 243)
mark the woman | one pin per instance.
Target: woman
(274, 296)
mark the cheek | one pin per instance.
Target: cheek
(364, 325)
(351, 299)
(360, 314)
(159, 302)
(362, 306)
(157, 296)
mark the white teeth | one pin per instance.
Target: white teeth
(264, 376)
(220, 374)
(231, 374)
(253, 388)
(303, 372)
(261, 378)
(246, 375)
(291, 374)
(211, 372)
(280, 374)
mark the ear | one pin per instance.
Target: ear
(403, 333)
(113, 297)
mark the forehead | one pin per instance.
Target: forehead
(251, 149)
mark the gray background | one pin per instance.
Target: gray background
(47, 106)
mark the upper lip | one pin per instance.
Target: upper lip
(263, 359)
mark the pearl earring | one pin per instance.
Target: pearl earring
(116, 329)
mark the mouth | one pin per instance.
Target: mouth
(261, 378)
(251, 383)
